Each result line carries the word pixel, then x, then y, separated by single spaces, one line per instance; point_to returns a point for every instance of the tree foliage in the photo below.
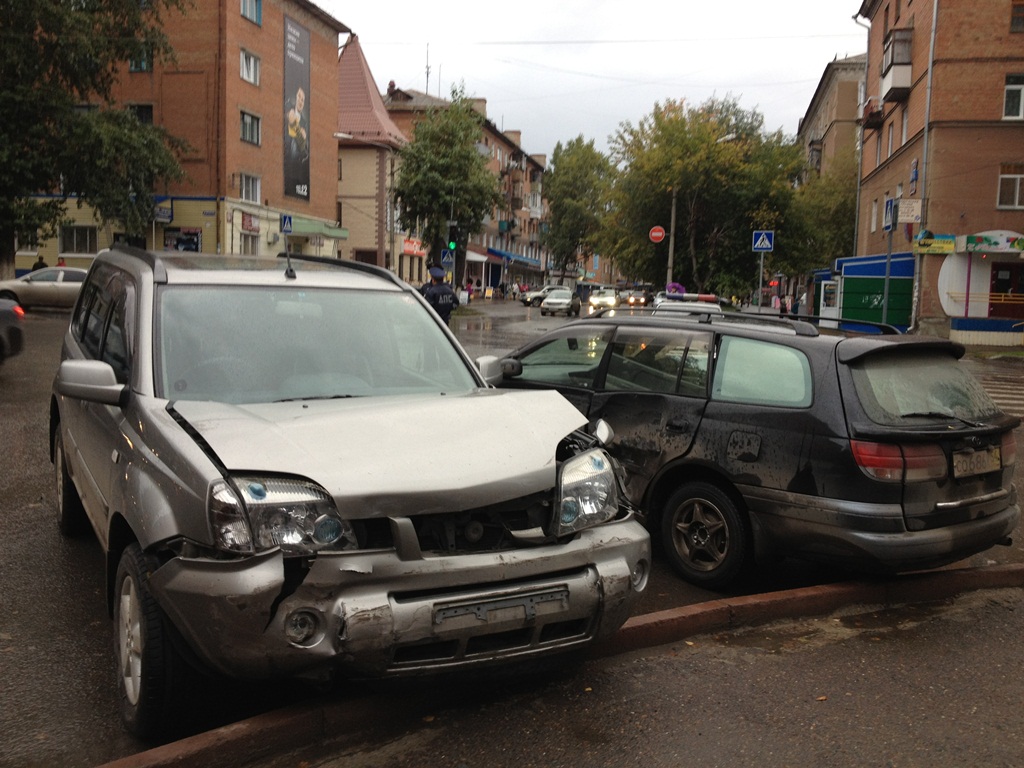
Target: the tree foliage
pixel 824 217
pixel 576 186
pixel 61 135
pixel 723 175
pixel 443 177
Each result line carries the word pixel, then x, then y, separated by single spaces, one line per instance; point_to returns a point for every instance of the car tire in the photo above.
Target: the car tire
pixel 705 536
pixel 150 673
pixel 71 517
pixel 535 302
pixel 9 296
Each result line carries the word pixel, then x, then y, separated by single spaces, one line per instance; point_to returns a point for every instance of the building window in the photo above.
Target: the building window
pixel 250 128
pixel 888 152
pixel 1013 100
pixel 253 10
pixel 874 215
pixel 878 150
pixel 904 123
pixel 141 64
pixel 1017 17
pixel 248 244
pixel 1011 185
pixel 249 188
pixel 143 113
pixel 78 239
pixel 250 67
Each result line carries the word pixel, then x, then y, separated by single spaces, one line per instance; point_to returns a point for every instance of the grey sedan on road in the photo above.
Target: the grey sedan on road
pixel 46 287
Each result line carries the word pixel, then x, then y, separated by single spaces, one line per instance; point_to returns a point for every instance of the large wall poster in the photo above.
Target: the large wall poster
pixel 296 109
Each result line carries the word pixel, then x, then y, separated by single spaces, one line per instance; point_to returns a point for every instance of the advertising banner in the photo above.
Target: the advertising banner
pixel 296 109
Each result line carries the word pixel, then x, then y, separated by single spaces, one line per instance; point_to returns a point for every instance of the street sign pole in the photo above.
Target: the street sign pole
pixel 763 241
pixel 893 218
pixel 760 282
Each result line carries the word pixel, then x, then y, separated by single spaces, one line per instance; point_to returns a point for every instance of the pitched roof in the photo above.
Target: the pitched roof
pixel 361 111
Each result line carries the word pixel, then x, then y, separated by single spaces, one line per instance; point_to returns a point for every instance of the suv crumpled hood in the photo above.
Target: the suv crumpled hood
pixel 396 455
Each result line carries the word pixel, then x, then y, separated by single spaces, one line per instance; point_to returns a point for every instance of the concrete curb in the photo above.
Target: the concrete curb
pixel 294 728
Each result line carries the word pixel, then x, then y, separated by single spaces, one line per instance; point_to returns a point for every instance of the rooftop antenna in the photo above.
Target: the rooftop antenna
pixel 426 88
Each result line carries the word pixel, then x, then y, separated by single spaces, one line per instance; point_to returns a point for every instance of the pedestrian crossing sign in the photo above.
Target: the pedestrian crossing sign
pixel 764 240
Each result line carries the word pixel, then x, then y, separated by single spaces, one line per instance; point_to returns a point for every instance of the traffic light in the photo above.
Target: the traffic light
pixel 453 239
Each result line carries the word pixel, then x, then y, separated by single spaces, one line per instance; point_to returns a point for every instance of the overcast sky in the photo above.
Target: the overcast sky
pixel 558 69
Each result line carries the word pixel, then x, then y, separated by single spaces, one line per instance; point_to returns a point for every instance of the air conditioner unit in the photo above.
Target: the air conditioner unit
pixel 272 237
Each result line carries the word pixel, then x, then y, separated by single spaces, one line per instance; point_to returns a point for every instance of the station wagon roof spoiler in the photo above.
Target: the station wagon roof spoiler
pixel 853 349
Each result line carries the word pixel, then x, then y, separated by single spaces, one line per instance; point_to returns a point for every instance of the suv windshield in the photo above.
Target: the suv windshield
pixel 256 344
pixel 896 387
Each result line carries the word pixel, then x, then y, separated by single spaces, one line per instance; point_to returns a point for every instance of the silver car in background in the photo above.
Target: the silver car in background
pixel 56 287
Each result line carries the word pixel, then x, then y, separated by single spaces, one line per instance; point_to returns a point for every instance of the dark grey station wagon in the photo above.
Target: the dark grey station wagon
pixel 746 440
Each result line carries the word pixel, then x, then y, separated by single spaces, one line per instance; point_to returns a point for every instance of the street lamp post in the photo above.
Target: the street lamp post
pixel 671 240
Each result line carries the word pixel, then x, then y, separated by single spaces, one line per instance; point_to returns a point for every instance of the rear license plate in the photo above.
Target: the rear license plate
pixel 969 463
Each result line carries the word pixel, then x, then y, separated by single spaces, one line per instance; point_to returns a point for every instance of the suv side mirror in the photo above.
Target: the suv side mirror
pixel 90 380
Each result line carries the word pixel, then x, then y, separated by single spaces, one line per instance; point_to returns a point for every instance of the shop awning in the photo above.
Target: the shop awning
pixel 515 257
pixel 477 257
pixel 302 227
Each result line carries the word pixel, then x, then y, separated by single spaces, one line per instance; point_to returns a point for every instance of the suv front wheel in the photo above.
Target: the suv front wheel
pixel 706 538
pixel 149 671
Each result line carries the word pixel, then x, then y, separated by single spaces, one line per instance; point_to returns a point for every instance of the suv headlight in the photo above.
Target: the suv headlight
pixel 254 514
pixel 587 492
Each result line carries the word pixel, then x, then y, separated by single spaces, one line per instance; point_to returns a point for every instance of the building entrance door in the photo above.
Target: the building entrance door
pixel 1006 290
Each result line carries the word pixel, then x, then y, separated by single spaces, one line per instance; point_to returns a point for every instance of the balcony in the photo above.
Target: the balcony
pixel 871 114
pixel 897 70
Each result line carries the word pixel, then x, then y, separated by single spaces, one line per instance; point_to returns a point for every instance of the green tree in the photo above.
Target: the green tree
pixel 824 217
pixel 61 135
pixel 715 172
pixel 443 177
pixel 576 187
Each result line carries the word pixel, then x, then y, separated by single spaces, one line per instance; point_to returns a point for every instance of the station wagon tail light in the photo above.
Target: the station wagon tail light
pixel 255 514
pixel 894 463
pixel 587 492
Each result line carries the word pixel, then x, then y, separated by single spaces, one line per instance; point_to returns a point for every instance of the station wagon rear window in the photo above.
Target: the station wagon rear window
pixel 895 388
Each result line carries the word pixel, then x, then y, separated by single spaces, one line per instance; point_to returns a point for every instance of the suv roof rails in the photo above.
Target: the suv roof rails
pixel 359 266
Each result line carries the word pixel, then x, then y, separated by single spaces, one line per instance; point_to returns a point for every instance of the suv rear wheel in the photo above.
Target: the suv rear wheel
pixel 71 519
pixel 706 538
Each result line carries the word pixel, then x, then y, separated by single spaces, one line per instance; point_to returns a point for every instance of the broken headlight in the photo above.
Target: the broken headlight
pixel 587 492
pixel 254 514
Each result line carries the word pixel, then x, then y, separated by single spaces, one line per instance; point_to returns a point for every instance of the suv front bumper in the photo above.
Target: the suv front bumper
pixel 379 615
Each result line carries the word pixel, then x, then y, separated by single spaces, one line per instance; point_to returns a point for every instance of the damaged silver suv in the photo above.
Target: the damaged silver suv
pixel 276 460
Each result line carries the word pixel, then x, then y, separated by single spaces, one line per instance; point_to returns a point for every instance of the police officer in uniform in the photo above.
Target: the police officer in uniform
pixel 440 295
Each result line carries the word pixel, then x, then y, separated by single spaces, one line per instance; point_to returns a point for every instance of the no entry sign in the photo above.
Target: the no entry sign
pixel 657 234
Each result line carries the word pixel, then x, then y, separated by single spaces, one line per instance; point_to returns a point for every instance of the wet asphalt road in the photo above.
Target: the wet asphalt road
pixel 57 705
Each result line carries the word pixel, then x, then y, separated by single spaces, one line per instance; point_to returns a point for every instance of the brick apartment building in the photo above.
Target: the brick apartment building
pixel 943 133
pixel 509 247
pixel 256 155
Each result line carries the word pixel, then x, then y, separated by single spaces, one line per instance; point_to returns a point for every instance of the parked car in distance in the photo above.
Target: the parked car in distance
pixel 255 443
pixel 12 335
pixel 638 299
pixel 604 297
pixel 535 297
pixel 47 287
pixel 561 301
pixel 747 439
